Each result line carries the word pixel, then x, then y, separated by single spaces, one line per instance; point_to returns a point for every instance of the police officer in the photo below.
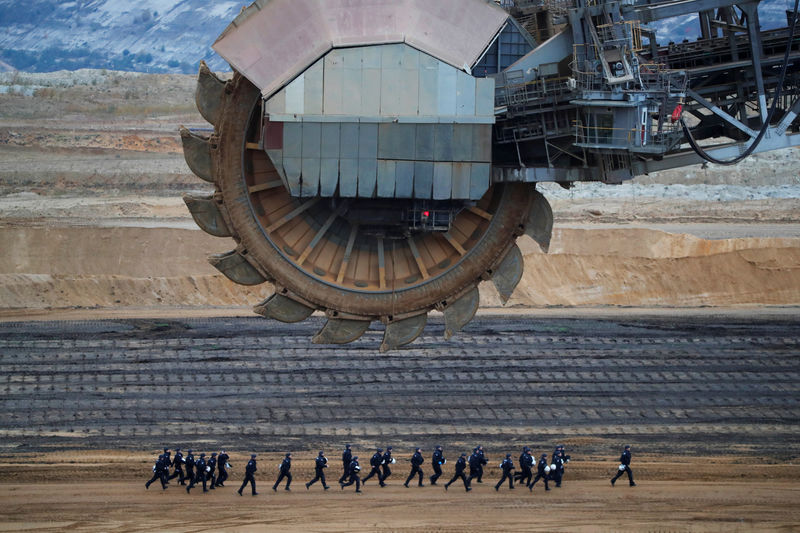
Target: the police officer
pixel 385 462
pixel 416 464
pixel 541 473
pixel 158 473
pixel 375 464
pixel 211 468
pixel 625 460
pixel 285 467
pixel 177 464
pixel 347 458
pixel 483 462
pixel 475 467
pixel 222 468
pixel 525 475
pixel 249 475
pixel 508 467
pixel 461 465
pixel 167 462
pixel 437 461
pixel 189 466
pixel 557 474
pixel 200 475
pixel 352 475
pixel 320 464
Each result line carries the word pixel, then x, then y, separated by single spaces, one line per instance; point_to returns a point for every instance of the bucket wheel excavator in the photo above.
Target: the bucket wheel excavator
pixel 377 160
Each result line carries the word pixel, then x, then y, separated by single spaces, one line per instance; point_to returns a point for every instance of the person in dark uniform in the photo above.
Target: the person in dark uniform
pixel 525 474
pixel 320 464
pixel 475 467
pixel 347 458
pixel 437 461
pixel 416 467
pixel 507 466
pixel 461 465
pixel 562 453
pixel 158 473
pixel 189 461
pixel 625 461
pixel 483 462
pixel 249 475
pixel 167 462
pixel 558 463
pixel 222 468
pixel 211 468
pixel 385 462
pixel 285 467
pixel 375 464
pixel 352 475
pixel 177 464
pixel 541 473
pixel 201 471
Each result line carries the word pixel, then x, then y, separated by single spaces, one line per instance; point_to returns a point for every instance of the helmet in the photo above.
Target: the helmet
pixel 547 470
pixel 552 466
pixel 379 450
pixel 621 468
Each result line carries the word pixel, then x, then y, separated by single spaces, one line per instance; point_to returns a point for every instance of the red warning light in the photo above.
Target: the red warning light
pixel 426 214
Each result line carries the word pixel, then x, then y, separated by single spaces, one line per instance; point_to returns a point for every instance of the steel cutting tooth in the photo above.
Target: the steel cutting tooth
pixel 197 153
pixel 403 332
pixel 236 268
pixel 340 331
pixel 539 226
pixel 283 309
pixel 207 214
pixel 459 313
pixel 508 273
pixel 208 95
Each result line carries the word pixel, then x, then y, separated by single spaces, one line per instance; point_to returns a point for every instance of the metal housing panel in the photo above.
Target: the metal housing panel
pixel 448 88
pixel 423 180
pixel 333 78
pixel 386 178
pixel 462 175
pixel 465 99
pixel 348 178
pixel 484 97
pixel 396 141
pixel 351 86
pixel 310 177
pixel 329 142
pixel 312 103
pixel 404 179
pixel 424 142
pixel 442 181
pixel 428 85
pixel 462 142
pixel 312 139
pixel 443 142
pixel 368 141
pixel 293 167
pixel 348 147
pixel 367 175
pixel 479 180
pixel 328 176
pixel 481 143
pixel 292 140
pixel 277 104
pixel 295 96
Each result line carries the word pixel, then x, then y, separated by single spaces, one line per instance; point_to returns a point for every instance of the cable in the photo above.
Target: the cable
pixel 764 127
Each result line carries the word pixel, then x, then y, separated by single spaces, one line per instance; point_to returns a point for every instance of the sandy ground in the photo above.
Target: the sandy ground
pixel 104 492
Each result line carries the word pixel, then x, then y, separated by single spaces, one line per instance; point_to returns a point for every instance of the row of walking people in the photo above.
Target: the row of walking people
pixel 212 473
